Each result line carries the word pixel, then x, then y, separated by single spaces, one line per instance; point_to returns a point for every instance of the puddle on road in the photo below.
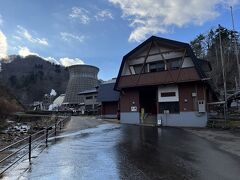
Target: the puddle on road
pixel 78 142
pixel 128 152
pixel 85 132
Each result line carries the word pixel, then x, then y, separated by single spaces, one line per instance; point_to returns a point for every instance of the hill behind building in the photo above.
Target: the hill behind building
pixel 31 77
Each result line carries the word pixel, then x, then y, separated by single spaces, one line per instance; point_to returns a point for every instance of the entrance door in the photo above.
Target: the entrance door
pixel 148 99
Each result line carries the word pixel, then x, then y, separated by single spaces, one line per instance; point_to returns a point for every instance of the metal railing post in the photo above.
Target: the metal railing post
pixel 56 122
pixel 55 131
pixel 30 148
pixel 30 145
pixel 47 137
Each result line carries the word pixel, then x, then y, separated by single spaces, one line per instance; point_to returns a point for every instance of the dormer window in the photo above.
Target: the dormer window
pixel 157 66
pixel 174 63
pixel 137 68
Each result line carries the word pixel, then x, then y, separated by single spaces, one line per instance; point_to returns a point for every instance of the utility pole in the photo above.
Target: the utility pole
pixel 224 75
pixel 236 48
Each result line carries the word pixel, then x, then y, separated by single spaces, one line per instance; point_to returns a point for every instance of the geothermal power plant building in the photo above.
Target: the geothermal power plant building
pixel 82 77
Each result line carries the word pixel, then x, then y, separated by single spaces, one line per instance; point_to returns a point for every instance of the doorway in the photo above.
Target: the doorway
pixel 148 104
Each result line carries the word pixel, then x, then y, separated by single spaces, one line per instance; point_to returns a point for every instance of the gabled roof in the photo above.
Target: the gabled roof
pixel 205 65
pixel 106 92
pixel 169 42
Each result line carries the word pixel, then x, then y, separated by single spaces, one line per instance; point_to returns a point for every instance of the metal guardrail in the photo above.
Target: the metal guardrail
pixel 30 143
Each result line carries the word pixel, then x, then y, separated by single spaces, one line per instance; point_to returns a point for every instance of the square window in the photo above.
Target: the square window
pixel 172 107
pixel 157 66
pixel 175 63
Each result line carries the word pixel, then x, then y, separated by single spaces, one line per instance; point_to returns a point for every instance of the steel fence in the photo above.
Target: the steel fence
pixel 25 146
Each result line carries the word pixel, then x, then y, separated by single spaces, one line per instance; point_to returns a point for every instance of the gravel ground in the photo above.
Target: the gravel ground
pixel 227 140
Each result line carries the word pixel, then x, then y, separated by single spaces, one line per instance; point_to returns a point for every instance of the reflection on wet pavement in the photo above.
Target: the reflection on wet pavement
pixel 113 151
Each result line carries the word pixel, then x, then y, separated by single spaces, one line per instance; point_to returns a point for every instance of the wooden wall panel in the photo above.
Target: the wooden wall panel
pixel 200 91
pixel 157 78
pixel 109 108
pixel 127 98
pixel 185 93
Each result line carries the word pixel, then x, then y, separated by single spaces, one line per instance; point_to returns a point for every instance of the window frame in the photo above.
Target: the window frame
pixel 173 107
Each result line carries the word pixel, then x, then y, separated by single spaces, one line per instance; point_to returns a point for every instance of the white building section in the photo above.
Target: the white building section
pixel 187 62
pixel 201 106
pixel 168 93
pixel 168 57
pixel 59 100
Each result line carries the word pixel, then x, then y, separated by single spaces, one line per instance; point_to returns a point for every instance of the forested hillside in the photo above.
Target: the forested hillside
pixel 8 103
pixel 207 46
pixel 31 77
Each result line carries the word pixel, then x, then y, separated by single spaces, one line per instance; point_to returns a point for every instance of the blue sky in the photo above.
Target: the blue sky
pixel 101 32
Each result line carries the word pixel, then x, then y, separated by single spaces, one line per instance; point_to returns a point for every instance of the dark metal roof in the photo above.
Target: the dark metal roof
pixel 88 91
pixel 169 43
pixel 205 65
pixel 106 93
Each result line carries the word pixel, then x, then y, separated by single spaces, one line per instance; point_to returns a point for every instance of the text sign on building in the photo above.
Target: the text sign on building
pixel 168 93
pixel 166 112
pixel 133 108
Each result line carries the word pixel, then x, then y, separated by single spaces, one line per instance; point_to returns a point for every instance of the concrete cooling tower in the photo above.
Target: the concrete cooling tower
pixel 82 77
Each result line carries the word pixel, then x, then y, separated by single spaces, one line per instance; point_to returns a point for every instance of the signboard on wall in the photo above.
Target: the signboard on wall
pixel 133 108
pixel 168 93
pixel 166 112
pixel 201 106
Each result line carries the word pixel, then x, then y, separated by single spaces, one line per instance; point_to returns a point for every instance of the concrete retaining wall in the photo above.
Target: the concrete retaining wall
pixel 184 119
pixel 130 117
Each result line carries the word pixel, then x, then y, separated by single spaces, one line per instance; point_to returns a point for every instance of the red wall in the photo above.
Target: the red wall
pixel 127 97
pixel 185 92
pixel 109 108
pixel 130 95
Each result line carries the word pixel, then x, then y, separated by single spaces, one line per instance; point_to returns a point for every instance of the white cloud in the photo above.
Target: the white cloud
pixel 17 37
pixel 51 60
pixel 66 61
pixel 24 51
pixel 80 14
pixel 68 37
pixel 149 17
pixel 69 61
pixel 103 15
pixel 3 45
pixel 24 33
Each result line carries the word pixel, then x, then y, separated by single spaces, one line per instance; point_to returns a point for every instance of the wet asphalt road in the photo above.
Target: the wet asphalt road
pixel 113 151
